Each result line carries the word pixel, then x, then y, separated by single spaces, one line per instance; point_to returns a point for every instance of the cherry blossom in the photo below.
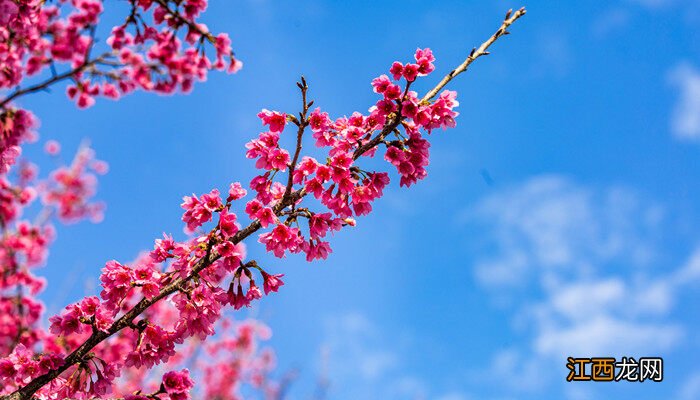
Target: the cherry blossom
pixel 138 337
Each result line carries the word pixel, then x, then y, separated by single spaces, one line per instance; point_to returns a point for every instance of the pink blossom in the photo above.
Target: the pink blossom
pixel 396 70
pixel 273 119
pixel 178 384
pixel 271 283
pixel 319 121
pixel 410 72
pixel 236 192
pixel 381 83
pixel 282 239
pixel 424 58
pixel 392 92
pixel 227 223
pixel 253 292
pixel 52 147
pixel 266 217
pixel 278 159
pixel 198 211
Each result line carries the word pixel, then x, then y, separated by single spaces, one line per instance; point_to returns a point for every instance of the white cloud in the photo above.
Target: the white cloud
pixel 511 369
pixel 554 55
pixel 581 263
pixel 363 361
pixel 604 335
pixel 454 396
pixel 357 349
pixel 552 227
pixel 654 4
pixel 691 388
pixel 685 117
pixel 610 21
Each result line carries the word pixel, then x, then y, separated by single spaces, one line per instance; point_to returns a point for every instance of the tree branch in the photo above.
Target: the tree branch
pixel 126 320
pixel 54 79
pixel 476 53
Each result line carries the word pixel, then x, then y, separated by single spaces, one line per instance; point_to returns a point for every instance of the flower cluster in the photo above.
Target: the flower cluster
pixel 146 55
pixel 16 127
pixel 178 292
pixel 223 366
pixel 23 248
pixel 177 384
pixel 69 189
pixel 342 186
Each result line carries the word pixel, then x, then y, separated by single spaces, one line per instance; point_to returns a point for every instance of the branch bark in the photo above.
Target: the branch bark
pixel 54 79
pixel 477 52
pixel 26 392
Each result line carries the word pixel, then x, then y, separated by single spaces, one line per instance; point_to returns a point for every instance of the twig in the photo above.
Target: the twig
pixel 126 320
pixel 54 79
pixel 476 52
pixel 302 124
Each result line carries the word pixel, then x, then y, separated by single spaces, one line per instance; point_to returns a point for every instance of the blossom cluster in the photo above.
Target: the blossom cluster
pixel 183 287
pixel 16 127
pixel 222 367
pixel 160 47
pixel 144 52
pixel 23 248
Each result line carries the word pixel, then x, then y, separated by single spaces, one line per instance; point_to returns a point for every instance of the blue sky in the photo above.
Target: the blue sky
pixel 582 241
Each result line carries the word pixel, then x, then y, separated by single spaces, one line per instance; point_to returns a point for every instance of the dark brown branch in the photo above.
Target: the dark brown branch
pixel 476 52
pixel 127 320
pixel 182 20
pixel 302 123
pixel 54 79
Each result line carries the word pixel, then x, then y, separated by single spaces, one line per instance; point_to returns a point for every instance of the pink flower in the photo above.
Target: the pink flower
pixel 278 159
pixel 227 223
pixel 318 251
pixel 253 207
pixel 52 147
pixel 275 120
pixel 116 283
pixel 66 324
pixel 282 239
pixel 424 58
pixel 396 70
pixel 236 192
pixel 7 369
pixel 162 248
pixel 199 211
pixel 237 299
pixel 156 346
pixel 271 282
pixel 410 72
pixel 306 168
pixel 253 292
pixel 319 121
pixel 266 217
pixel 393 92
pixel 178 384
pixel 381 83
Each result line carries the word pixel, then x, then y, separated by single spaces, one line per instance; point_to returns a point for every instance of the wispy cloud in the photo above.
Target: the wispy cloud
pixel 581 263
pixel 691 388
pixel 654 4
pixel 610 21
pixel 365 362
pixel 685 118
pixel 554 55
pixel 357 348
pixel 553 227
